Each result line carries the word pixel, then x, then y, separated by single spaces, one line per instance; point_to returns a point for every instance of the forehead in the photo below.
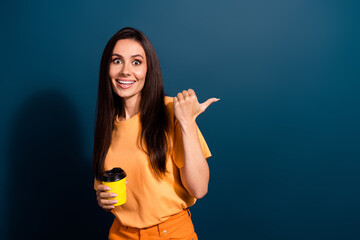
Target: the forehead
pixel 126 47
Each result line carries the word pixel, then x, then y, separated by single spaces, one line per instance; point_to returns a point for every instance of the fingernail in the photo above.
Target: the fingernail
pixel 114 201
pixel 114 195
pixel 107 189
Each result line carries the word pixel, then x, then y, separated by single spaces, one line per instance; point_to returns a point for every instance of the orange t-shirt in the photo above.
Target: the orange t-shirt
pixel 149 201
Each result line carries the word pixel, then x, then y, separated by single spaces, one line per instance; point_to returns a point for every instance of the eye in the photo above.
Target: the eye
pixel 136 62
pixel 117 61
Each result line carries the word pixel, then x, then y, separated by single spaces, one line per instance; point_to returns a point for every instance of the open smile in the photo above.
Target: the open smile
pixel 125 83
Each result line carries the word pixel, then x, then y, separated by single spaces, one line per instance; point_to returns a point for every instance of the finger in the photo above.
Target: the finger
pixel 180 97
pixel 192 93
pixel 185 94
pixel 107 195
pixel 106 202
pixel 103 188
pixel 106 207
pixel 207 103
pixel 109 207
pixel 176 100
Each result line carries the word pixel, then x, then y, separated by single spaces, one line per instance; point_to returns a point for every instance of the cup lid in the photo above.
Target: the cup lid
pixel 113 175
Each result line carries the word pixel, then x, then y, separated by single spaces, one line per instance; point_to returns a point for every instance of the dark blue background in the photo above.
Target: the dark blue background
pixel 285 135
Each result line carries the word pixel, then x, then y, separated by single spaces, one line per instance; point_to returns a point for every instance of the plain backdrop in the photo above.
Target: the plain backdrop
pixel 285 135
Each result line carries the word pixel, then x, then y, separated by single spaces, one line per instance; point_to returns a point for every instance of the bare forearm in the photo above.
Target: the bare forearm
pixel 195 173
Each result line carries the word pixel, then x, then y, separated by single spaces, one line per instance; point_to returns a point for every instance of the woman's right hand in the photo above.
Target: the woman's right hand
pixel 102 198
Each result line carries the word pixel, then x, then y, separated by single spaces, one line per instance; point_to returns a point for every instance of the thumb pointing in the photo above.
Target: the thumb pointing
pixel 207 103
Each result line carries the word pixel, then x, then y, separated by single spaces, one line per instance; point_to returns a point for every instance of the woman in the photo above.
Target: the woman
pixel 153 138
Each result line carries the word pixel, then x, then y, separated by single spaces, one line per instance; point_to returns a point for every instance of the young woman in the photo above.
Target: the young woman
pixel 153 138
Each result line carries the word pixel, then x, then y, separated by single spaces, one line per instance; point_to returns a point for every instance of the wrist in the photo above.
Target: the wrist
pixel 188 126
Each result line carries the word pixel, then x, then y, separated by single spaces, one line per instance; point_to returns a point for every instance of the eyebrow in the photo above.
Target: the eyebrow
pixel 136 55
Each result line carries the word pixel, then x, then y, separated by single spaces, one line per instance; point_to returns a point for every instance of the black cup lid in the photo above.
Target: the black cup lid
pixel 113 175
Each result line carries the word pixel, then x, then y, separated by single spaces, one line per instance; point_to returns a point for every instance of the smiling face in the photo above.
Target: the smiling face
pixel 128 69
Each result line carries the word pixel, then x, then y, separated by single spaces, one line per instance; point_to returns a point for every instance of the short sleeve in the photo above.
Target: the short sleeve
pixel 178 147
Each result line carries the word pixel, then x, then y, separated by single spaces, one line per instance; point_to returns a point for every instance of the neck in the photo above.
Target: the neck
pixel 131 106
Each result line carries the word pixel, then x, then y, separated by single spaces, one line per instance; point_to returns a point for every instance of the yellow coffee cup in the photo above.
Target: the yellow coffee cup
pixel 115 179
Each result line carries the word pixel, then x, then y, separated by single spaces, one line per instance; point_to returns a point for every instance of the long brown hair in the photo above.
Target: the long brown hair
pixel 154 116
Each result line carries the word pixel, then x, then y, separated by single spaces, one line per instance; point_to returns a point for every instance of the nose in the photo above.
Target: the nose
pixel 125 70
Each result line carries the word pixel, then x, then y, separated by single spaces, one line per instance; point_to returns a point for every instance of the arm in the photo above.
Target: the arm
pixel 195 173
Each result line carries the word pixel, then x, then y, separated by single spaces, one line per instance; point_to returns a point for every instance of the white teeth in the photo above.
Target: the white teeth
pixel 126 82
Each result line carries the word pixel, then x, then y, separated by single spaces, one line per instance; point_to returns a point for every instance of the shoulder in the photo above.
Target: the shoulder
pixel 169 102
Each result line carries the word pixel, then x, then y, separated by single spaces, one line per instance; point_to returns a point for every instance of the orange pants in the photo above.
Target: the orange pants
pixel 178 226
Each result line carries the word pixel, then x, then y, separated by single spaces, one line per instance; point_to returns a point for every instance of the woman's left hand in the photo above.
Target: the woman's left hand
pixel 187 106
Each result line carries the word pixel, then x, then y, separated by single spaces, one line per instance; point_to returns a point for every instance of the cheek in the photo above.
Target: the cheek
pixel 140 73
pixel 112 72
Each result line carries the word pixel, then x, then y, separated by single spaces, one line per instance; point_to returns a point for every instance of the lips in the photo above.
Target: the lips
pixel 124 83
